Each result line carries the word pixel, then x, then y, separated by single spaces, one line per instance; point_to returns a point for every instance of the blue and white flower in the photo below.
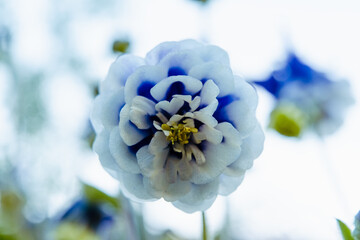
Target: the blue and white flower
pixel 177 125
pixel 306 99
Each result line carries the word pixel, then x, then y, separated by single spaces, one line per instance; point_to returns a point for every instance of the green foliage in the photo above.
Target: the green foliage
pixel 345 231
pixel 94 195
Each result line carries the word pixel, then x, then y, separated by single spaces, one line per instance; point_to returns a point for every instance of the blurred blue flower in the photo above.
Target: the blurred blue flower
pixel 177 125
pixel 311 99
pixel 92 215
pixel 356 232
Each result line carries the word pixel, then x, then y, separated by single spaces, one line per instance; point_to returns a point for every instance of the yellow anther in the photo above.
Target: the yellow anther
pixel 179 133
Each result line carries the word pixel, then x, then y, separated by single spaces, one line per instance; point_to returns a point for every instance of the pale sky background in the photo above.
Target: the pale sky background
pixel 295 189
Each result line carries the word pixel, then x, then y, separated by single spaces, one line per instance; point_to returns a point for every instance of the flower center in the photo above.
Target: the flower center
pixel 179 133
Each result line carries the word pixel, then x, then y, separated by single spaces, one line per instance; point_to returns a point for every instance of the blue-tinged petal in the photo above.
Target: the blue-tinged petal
pixel 128 131
pixel 179 63
pixel 182 85
pixel 133 187
pixel 119 72
pixel 220 74
pixel 101 147
pixel 251 147
pixel 163 49
pixel 218 156
pixel 246 91
pixel 209 134
pixel 200 198
pixel 239 109
pixel 142 80
pixel 151 158
pixel 106 109
pixel 140 112
pixel 171 107
pixel 205 118
pixel 120 151
pixel 208 93
pixel 158 186
pixel 229 184
pixel 215 54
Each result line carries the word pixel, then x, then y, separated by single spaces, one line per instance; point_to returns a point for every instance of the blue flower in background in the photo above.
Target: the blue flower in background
pixel 92 215
pixel 356 232
pixel 177 125
pixel 306 99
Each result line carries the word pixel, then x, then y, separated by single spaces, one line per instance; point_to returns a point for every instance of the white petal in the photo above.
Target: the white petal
pixel 159 91
pixel 133 187
pixel 211 134
pixel 195 103
pixel 200 198
pixel 140 110
pixel 121 153
pixel 252 147
pixel 151 158
pixel 119 71
pixel 128 131
pixel 101 147
pixel 158 186
pixel 220 74
pixel 142 80
pixel 218 156
pixel 171 107
pixel 229 184
pixel 205 118
pixel 106 110
pixel 211 108
pixel 209 92
pixel 198 155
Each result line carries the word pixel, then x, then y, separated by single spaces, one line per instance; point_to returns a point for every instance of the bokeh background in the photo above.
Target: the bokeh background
pixel 53 54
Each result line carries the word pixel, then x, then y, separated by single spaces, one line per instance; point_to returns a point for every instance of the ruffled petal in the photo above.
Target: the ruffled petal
pixel 252 146
pixel 101 147
pixel 163 49
pixel 209 92
pixel 158 186
pixel 119 72
pixel 133 187
pixel 142 80
pixel 220 74
pixel 218 156
pixel 106 109
pixel 211 53
pixel 152 157
pixel 229 184
pixel 182 85
pixel 200 198
pixel 140 111
pixel 121 153
pixel 130 134
pixel 171 107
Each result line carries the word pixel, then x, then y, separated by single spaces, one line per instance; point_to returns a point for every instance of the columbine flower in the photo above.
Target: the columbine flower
pixel 312 100
pixel 177 125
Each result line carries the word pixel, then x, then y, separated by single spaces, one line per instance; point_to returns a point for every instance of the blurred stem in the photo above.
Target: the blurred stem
pixel 334 178
pixel 204 230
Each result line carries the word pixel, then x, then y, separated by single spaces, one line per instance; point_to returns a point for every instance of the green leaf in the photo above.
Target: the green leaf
pixel 345 231
pixel 96 196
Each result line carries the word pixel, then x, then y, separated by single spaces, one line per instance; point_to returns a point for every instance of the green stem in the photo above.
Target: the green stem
pixel 204 231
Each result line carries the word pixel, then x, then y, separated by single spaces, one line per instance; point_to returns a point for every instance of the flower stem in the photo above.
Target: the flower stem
pixel 204 230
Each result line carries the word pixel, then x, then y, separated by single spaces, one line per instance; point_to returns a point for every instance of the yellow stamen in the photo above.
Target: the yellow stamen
pixel 179 133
